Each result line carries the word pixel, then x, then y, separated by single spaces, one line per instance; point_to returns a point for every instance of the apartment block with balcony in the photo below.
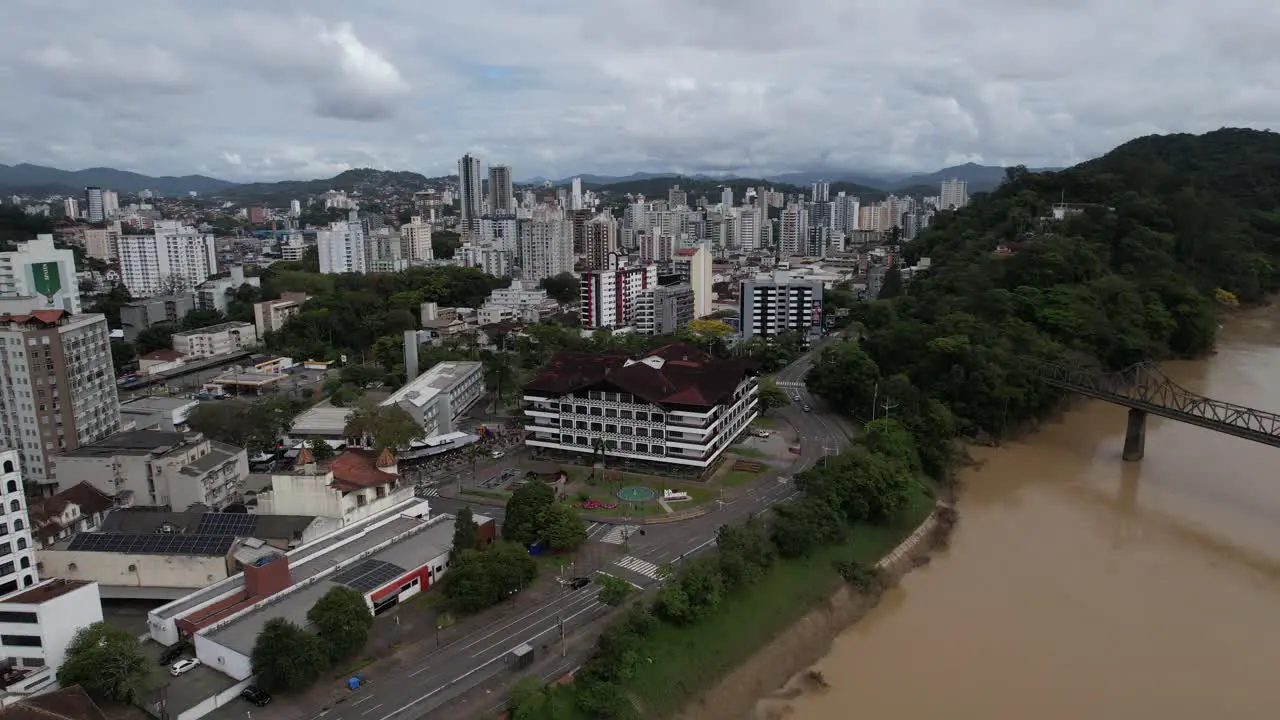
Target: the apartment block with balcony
pixel 677 406
pixel 220 339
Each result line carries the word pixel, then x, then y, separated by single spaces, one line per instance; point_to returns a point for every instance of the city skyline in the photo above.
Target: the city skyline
pixel 243 93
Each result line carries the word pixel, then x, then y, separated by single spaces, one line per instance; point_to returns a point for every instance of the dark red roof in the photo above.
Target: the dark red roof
pixel 163 355
pixel 358 469
pixel 687 376
pixel 66 704
pixel 46 514
pixel 47 317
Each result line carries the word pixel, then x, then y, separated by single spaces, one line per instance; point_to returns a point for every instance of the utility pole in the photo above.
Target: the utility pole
pixel 888 405
pixel 875 397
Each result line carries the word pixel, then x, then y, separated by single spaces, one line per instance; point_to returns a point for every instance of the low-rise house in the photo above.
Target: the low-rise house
pixel 158 361
pixel 220 339
pixel 353 486
pixel 79 508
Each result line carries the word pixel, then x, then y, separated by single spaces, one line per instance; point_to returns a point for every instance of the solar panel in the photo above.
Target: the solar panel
pixel 369 575
pixel 153 543
pixel 235 524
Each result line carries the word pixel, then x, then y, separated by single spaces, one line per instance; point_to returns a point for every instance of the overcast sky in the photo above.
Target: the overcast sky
pixel 276 89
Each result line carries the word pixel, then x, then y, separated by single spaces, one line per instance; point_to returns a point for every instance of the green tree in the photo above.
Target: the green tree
pixel 561 527
pixel 771 396
pixel 478 579
pixel 382 427
pixel 320 449
pixel 202 317
pixel 123 356
pixel 342 621
pixel 251 425
pixel 891 438
pixel 891 287
pixel 614 590
pixel 155 337
pixel 524 511
pixel 444 243
pixel 744 552
pixel 466 533
pixel 286 657
pixel 805 525
pixel 107 662
pixel 562 288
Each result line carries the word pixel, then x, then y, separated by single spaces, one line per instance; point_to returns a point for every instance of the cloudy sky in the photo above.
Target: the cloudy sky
pixel 307 88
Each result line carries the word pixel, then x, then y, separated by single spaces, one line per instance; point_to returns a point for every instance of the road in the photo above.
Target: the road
pixel 437 681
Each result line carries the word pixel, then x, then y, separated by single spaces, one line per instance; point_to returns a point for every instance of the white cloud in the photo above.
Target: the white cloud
pixel 305 88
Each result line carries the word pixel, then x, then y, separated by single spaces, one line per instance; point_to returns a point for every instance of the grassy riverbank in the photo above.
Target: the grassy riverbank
pixel 688 660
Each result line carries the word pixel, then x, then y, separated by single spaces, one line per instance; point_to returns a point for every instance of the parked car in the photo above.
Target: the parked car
pixel 760 433
pixel 796 397
pixel 496 454
pixel 182 666
pixel 579 582
pixel 256 695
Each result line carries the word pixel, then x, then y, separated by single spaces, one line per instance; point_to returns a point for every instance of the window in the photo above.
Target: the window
pixel 12 486
pixel 22 543
pixel 14 506
pixel 24 563
pixel 20 640
pixel 10 616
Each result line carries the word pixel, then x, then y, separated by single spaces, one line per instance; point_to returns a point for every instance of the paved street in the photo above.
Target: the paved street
pixel 422 681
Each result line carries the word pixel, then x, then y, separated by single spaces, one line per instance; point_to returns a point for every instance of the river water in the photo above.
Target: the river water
pixel 1080 586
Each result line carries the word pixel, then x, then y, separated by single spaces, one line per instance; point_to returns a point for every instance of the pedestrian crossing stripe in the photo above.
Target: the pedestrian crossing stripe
pixel 790 384
pixel 426 492
pixel 620 534
pixel 638 566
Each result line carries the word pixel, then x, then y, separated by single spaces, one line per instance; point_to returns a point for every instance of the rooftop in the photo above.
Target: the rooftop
pixel 676 374
pixel 46 514
pixel 135 442
pixel 157 403
pixel 279 528
pixel 45 591
pixel 320 420
pixel 442 377
pixel 220 327
pixel 404 542
pixel 162 355
pixel 71 703
pixel 357 469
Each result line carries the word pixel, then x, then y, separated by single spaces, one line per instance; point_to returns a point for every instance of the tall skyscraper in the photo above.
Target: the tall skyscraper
pixel 93 204
pixel 576 200
pixel 601 240
pixel 821 192
pixel 546 247
pixel 726 196
pixel 415 241
pixel 955 194
pixel 608 295
pixel 175 259
pixel 469 191
pixel 502 197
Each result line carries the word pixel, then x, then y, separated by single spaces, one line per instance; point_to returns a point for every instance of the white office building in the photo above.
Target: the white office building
pixel 17 552
pixel 93 205
pixel 38 276
pixel 676 406
pixel 439 396
pixel 342 247
pixel 490 259
pixel 773 304
pixel 955 194
pixel 37 625
pixel 173 260
pixel 220 339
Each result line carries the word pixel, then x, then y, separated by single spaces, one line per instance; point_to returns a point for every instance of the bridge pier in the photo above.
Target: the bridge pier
pixel 1135 436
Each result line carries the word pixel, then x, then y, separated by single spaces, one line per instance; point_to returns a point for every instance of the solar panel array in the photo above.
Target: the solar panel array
pixel 234 524
pixel 369 575
pixel 153 543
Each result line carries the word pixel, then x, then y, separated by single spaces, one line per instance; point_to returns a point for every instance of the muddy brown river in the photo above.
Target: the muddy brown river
pixel 1081 586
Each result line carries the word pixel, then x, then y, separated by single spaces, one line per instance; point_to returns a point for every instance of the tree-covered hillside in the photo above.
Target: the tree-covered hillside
pixel 1161 231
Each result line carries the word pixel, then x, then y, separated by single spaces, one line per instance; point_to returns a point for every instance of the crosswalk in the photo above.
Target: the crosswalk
pixel 619 534
pixel 638 566
pixel 426 491
pixel 790 384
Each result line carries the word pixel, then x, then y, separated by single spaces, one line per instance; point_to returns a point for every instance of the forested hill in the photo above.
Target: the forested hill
pixel 1161 232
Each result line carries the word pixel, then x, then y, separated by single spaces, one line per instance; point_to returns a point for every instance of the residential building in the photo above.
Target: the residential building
pixel 663 309
pixel 576 202
pixel 271 315
pixel 601 241
pixel 156 468
pixel 220 339
pixel 110 204
pixel 353 486
pixel 61 390
pixel 694 266
pixel 676 406
pixel 157 412
pixel 71 703
pixel 139 315
pixel 160 555
pixel 79 508
pixel 470 196
pixel 216 293
pixel 955 194
pixel 415 241
pixel 341 247
pixel 502 196
pixel 37 625
pixel 608 296
pixel 794 231
pixel 439 396
pixel 17 551
pixel 103 243
pixel 769 305
pixel 93 205
pixel 39 276
pixel 489 259
pixel 173 260
pixel 520 293
pixel 546 247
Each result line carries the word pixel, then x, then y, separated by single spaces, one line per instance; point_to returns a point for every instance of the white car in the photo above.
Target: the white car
pixel 760 433
pixel 496 454
pixel 183 666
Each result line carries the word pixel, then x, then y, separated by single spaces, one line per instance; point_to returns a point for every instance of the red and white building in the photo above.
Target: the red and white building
pixel 608 296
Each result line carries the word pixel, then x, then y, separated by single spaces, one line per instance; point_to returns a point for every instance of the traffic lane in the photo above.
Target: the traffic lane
pixel 691 536
pixel 417 692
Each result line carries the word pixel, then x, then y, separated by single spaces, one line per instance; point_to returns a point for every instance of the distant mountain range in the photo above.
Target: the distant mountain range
pixel 31 177
pixel 35 179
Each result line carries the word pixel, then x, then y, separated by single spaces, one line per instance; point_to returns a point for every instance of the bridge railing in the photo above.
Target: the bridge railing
pixel 1145 384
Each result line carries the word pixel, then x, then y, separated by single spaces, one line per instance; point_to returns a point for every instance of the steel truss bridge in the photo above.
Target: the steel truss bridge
pixel 1146 391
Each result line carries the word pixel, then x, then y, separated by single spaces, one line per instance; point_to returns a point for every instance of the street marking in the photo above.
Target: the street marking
pixel 619 534
pixel 375 707
pixel 638 566
pixel 429 491
pixel 601 572
pixel 366 697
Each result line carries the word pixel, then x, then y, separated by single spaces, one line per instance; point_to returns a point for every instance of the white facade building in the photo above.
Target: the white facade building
pixel 40 276
pixel 173 260
pixel 608 296
pixel 955 194
pixel 17 551
pixel 546 247
pixel 352 487
pixel 415 241
pixel 439 396
pixel 490 259
pixel 342 247
pixel 677 405
pixel 227 337
pixel 37 625
pixel 694 267
pixel 769 305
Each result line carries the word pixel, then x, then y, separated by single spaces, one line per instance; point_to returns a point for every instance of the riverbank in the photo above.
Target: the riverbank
pixel 784 661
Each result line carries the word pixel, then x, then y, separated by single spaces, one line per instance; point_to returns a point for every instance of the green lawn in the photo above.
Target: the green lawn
pixel 734 478
pixel 749 452
pixel 688 660
pixel 765 422
pixel 492 494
